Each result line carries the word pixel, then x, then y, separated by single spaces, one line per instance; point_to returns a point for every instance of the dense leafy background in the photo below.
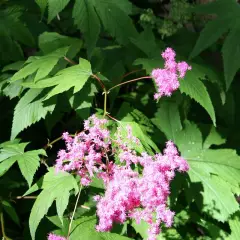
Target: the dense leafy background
pixel 50 50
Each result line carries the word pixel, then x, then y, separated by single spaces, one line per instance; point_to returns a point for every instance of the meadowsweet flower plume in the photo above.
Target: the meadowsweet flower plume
pixel 166 79
pixel 129 194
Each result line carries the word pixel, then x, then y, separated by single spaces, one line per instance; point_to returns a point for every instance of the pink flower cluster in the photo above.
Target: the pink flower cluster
pixel 141 197
pixel 52 236
pixel 129 194
pixel 166 79
pixel 84 153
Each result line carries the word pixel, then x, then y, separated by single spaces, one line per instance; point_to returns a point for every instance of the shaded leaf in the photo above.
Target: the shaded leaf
pixel 9 209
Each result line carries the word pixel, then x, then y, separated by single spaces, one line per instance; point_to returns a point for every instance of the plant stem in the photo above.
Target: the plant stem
pixel 5 237
pixel 26 197
pixel 113 118
pixel 54 141
pixel 70 61
pixel 100 82
pixel 105 92
pixel 133 80
pixel 134 71
pixel 105 104
pixel 74 211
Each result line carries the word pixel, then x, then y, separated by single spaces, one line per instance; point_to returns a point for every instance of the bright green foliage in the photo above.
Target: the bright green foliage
pixel 28 162
pixel 207 166
pixel 75 76
pixel 56 187
pixel 142 229
pixel 234 223
pixel 30 109
pixel 84 226
pixel 211 168
pixel 42 65
pixel 227 12
pixel 146 142
pixel 213 138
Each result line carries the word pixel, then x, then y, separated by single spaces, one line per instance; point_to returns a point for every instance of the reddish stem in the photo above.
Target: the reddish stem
pixel 114 119
pixel 100 82
pixel 70 61
pixel 134 71
pixel 133 80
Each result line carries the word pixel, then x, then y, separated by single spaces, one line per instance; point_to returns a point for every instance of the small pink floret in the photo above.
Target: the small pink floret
pixel 52 236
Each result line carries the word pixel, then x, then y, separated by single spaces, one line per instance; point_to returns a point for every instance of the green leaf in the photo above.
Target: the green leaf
pixel 85 17
pixel 85 227
pixel 28 161
pixel 42 4
pixel 81 101
pixel 9 209
pixel 54 7
pixel 4 166
pixel 55 187
pixel 146 42
pixel 12 31
pixel 234 223
pixel 113 15
pixel 210 34
pixel 146 143
pixel 51 41
pixel 29 110
pixel 167 119
pixel 213 138
pixel 231 54
pixel 62 204
pixel 227 12
pixel 115 20
pixel 75 76
pixel 168 234
pixel 13 90
pixel 35 187
pixel 13 66
pixel 217 170
pixel 195 88
pixel 42 65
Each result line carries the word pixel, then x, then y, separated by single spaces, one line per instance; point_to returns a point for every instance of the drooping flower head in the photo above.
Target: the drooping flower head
pixel 166 79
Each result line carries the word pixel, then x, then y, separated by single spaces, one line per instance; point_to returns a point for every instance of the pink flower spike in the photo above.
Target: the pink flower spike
pixel 52 236
pixel 166 79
